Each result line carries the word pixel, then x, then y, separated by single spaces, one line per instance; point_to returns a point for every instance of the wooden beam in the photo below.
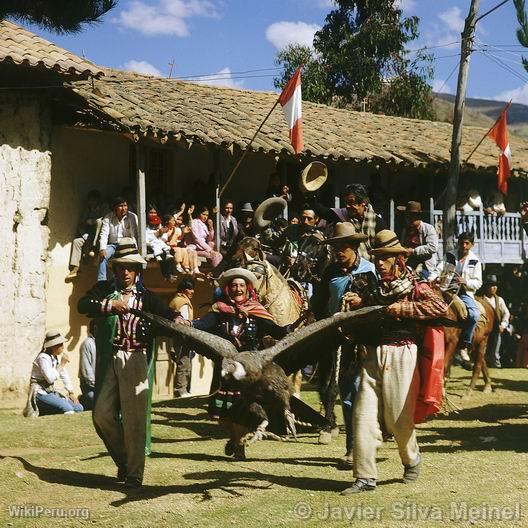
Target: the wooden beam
pixel 141 199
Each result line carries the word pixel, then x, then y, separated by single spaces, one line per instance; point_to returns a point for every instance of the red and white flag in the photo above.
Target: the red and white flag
pixel 291 102
pixel 499 134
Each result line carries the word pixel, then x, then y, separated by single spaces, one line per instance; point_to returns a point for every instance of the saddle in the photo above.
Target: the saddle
pixel 460 310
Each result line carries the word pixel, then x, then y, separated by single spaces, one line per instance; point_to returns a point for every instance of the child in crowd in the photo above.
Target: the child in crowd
pixel 173 233
pixel 160 248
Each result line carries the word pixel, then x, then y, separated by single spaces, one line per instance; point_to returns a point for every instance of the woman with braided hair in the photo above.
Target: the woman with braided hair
pixel 238 316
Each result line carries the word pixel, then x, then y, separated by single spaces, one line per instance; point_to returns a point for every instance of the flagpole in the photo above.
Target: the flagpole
pixel 230 177
pixel 491 128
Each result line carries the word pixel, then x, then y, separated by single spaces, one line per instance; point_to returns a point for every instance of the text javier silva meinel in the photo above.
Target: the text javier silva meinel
pixel 413 511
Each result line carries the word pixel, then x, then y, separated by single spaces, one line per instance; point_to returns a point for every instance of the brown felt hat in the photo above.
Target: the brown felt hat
pixel 386 243
pixel 313 176
pixel 127 253
pixel 411 207
pixel 268 211
pixel 344 231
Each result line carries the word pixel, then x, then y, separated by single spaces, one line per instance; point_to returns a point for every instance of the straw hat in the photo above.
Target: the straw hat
pixel 345 231
pixel 53 337
pixel 127 253
pixel 268 210
pixel 237 273
pixel 386 243
pixel 246 208
pixel 411 207
pixel 313 176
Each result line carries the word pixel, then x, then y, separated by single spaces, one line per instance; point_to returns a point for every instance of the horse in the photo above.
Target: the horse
pixel 478 346
pixel 283 298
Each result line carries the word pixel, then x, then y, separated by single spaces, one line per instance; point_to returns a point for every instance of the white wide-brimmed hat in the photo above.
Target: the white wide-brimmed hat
pixel 313 176
pixel 268 211
pixel 53 337
pixel 237 273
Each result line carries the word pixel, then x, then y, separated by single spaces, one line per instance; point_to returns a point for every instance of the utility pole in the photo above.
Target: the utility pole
pixel 449 214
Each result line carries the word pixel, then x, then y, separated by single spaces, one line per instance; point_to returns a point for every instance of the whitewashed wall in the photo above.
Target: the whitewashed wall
pixel 25 171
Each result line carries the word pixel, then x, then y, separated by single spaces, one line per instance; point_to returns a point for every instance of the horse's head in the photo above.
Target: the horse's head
pixel 249 248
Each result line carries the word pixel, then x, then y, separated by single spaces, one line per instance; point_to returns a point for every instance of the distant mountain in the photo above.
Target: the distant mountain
pixel 483 112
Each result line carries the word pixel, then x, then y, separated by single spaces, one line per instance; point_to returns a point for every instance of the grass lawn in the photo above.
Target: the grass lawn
pixel 475 459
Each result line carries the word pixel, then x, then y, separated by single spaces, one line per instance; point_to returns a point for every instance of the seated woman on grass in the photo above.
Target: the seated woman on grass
pixel 47 369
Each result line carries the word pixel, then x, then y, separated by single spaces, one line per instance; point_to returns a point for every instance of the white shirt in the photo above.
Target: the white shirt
pixel 114 229
pixel 45 370
pixel 470 269
pixel 502 307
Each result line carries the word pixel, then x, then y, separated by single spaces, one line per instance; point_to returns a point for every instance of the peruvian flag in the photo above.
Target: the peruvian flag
pixel 291 102
pixel 499 134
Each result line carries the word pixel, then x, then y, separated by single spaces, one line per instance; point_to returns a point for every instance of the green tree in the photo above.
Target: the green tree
pixel 407 93
pixel 522 30
pixel 361 53
pixel 61 16
pixel 313 79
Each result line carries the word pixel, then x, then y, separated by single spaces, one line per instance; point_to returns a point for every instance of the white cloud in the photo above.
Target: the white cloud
pixel 517 95
pixel 406 5
pixel 143 67
pixel 223 78
pixel 446 32
pixel 326 4
pixel 439 86
pixel 281 34
pixel 167 17
pixel 452 18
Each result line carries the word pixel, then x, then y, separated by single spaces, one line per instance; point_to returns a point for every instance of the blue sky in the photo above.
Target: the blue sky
pixel 225 37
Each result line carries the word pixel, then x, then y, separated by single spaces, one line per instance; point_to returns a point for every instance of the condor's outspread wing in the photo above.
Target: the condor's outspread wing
pixel 209 345
pixel 303 346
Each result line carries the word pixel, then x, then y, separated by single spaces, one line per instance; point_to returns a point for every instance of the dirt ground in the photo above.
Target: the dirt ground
pixel 474 472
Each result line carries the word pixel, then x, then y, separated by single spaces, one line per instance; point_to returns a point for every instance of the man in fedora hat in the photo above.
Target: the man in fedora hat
pixel 357 211
pixel 421 241
pixel 124 350
pixel 502 320
pixel 350 277
pixel 389 380
pixel 246 225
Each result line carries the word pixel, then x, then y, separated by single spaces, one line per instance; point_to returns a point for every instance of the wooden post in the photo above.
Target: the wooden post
pixel 141 199
pixel 449 214
pixel 482 249
pixel 431 211
pixel 218 180
pixel 391 214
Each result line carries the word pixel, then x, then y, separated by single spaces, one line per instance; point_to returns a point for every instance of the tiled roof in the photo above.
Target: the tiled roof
pixel 20 46
pixel 222 116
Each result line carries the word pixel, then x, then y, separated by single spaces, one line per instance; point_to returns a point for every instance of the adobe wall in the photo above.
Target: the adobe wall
pixel 25 170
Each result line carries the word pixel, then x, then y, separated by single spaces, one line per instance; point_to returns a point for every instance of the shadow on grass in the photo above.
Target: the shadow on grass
pixel 231 482
pixel 502 437
pixel 509 384
pixel 297 461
